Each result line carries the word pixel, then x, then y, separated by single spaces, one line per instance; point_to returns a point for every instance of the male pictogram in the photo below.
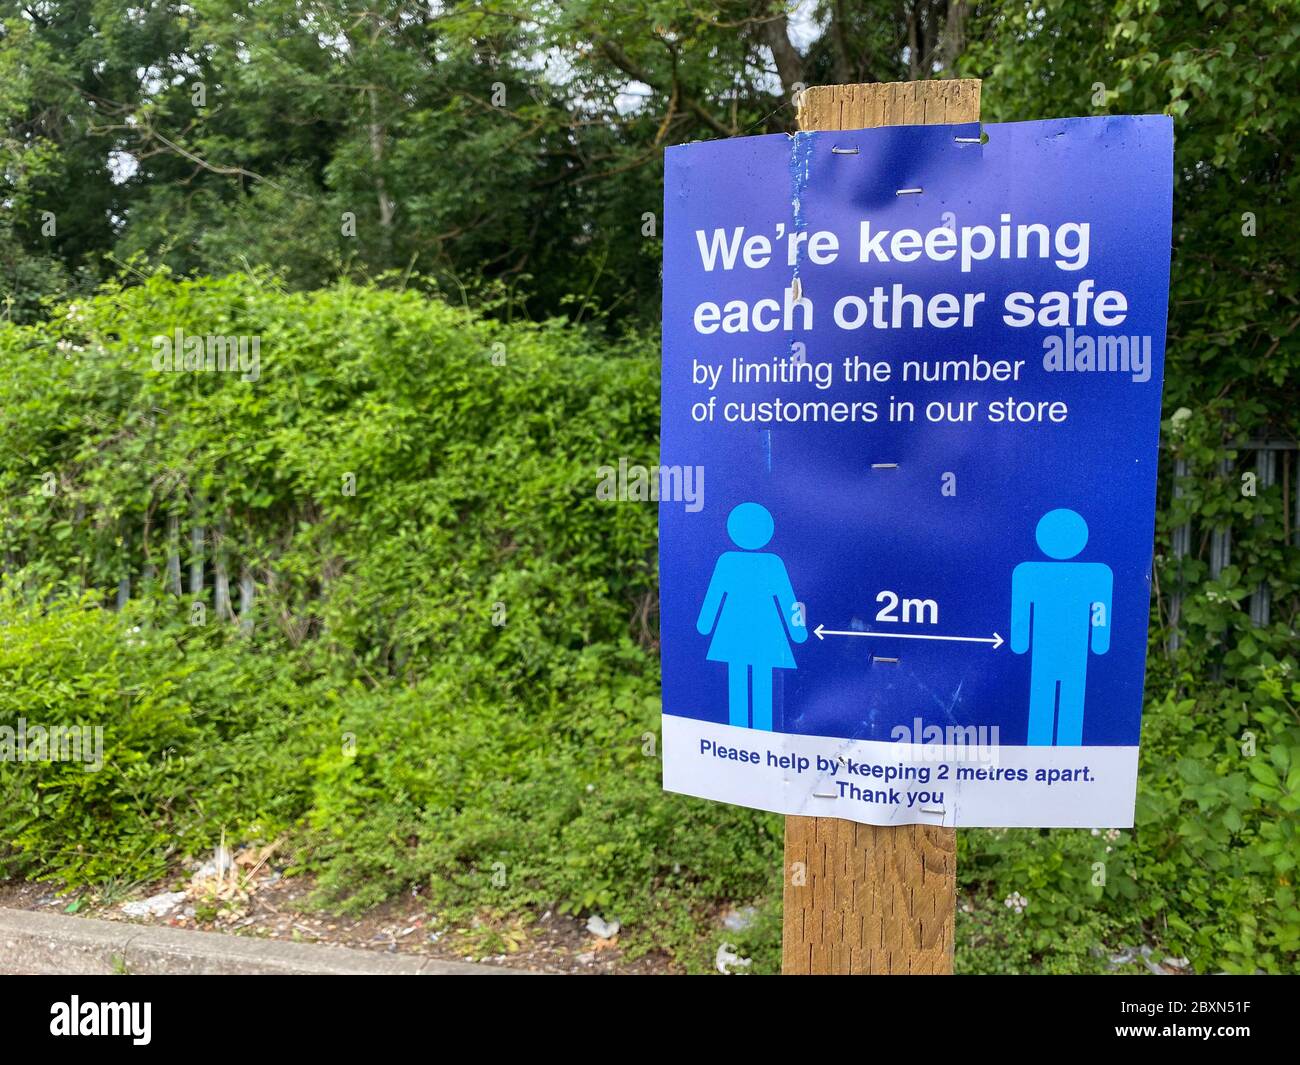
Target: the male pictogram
pixel 1059 610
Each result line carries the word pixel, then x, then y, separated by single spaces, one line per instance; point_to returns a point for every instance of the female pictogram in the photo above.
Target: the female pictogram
pixel 752 612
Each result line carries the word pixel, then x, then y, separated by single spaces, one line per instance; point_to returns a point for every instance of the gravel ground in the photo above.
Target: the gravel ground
pixel 256 900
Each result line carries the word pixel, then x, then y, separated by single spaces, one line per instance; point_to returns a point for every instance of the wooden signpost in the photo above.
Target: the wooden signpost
pixel 862 898
pixel 1052 555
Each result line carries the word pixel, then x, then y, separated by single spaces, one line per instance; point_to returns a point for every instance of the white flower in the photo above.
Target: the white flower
pixel 1016 901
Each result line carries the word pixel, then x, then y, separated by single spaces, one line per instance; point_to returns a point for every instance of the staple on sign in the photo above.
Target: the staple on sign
pixel 880 658
pixel 884 465
pixel 908 192
pixel 844 151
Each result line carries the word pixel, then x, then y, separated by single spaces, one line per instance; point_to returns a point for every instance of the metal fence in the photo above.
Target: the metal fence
pixel 1268 460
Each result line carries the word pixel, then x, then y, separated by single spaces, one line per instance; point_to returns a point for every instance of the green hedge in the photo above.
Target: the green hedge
pixel 451 683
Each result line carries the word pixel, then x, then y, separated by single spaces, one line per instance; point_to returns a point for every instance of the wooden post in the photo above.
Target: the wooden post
pixel 862 898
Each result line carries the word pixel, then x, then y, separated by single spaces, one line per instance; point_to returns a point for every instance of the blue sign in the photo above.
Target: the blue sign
pixel 911 377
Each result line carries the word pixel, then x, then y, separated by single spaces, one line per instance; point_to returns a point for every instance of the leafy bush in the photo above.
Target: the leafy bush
pixel 186 730
pixel 451 682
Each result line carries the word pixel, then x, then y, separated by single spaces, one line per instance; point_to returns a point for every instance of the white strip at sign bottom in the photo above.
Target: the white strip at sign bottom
pixel 879 783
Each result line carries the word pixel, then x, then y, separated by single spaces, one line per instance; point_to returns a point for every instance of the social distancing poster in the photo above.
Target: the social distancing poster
pixel 912 376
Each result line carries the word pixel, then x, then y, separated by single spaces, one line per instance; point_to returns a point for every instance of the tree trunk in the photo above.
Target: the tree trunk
pixel 377 134
pixel 789 64
pixel 954 35
pixel 842 70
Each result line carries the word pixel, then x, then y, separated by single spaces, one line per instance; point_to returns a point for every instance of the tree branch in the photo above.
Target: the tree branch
pixel 615 54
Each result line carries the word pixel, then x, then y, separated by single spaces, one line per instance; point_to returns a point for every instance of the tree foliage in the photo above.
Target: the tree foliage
pixel 387 194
